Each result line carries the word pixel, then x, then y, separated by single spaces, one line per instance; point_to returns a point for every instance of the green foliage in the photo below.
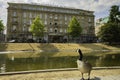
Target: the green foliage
pixel 37 27
pixel 109 32
pixel 1 26
pixel 114 11
pixel 74 28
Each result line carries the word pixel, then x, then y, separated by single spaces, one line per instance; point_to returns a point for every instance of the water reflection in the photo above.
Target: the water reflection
pixel 2 63
pixel 32 61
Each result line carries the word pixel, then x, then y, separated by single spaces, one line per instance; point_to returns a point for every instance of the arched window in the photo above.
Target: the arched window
pixel 55 24
pixel 55 30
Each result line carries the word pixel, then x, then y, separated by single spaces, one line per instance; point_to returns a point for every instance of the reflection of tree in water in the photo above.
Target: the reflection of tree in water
pixel 2 63
pixel 108 60
pixel 48 48
pixel 44 60
pixel 3 47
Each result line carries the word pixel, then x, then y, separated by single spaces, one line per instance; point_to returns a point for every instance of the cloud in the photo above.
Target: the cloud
pixel 100 7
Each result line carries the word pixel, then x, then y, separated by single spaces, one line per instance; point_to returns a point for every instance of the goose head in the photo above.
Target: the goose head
pixel 80 55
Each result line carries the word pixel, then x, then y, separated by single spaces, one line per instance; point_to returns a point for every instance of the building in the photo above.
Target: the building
pixel 2 37
pixel 55 18
pixel 100 22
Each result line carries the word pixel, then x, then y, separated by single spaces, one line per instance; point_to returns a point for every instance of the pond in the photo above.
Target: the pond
pixel 39 61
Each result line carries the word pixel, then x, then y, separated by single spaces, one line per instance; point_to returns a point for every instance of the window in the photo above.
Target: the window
pixel 89 20
pixel 82 17
pixel 14 19
pixel 14 28
pixel 65 30
pixel 55 24
pixel 60 17
pixel 30 15
pixel 65 18
pixel 30 21
pixel 89 25
pixel 56 17
pixel 14 13
pixel 51 30
pixel 55 31
pixel 45 16
pixel 41 16
pixel 34 15
pixel 51 16
pixel 60 21
pixel 24 20
pixel 50 23
pixel 23 28
pixel 61 30
pixel 24 14
pixel 65 23
pixel 45 22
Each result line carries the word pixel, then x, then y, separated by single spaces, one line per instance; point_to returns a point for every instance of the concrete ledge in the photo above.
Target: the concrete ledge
pixel 54 70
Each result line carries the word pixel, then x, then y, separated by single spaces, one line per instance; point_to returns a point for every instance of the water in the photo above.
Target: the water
pixel 39 61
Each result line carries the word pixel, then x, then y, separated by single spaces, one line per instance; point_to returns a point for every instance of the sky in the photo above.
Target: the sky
pixel 100 7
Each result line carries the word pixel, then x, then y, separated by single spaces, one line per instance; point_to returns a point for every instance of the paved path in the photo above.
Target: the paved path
pixel 102 74
pixel 115 77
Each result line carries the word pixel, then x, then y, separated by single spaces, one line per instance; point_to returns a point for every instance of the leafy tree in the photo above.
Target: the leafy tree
pixel 74 28
pixel 109 32
pixel 114 11
pixel 1 26
pixel 37 27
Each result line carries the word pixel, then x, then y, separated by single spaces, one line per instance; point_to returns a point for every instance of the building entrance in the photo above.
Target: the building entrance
pixel 56 39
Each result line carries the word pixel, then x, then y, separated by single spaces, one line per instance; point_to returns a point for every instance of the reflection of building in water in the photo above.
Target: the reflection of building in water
pixel 12 58
pixel 3 68
pixel 108 60
pixel 55 19
pixel 101 61
pixel 2 63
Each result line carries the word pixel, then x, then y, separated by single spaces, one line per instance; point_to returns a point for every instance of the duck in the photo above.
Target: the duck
pixel 83 66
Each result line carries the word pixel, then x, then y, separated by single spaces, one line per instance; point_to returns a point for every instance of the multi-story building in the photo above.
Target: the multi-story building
pixel 55 19
pixel 2 37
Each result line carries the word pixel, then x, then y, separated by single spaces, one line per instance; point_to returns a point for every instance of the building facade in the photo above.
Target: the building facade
pixel 2 37
pixel 100 22
pixel 55 19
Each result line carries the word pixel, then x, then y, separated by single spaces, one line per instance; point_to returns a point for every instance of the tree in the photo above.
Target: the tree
pixel 109 32
pixel 114 11
pixel 74 28
pixel 1 26
pixel 37 27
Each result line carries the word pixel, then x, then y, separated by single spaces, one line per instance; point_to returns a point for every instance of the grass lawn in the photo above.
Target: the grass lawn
pixel 55 46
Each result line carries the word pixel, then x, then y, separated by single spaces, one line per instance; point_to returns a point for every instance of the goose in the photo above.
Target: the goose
pixel 83 66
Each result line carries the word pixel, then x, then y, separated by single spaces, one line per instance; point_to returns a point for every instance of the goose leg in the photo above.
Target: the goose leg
pixel 89 76
pixel 82 76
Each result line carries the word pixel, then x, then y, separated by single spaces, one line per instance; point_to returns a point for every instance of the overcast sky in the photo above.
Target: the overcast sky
pixel 100 7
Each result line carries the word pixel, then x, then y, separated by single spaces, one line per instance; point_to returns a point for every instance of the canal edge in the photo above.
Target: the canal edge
pixel 54 70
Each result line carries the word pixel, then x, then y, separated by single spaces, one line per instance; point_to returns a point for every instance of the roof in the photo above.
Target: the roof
pixel 50 5
pixel 104 20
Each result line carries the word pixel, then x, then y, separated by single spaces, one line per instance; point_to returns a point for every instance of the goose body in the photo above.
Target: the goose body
pixel 83 66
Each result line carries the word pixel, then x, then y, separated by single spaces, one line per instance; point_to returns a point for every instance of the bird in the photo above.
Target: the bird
pixel 83 66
